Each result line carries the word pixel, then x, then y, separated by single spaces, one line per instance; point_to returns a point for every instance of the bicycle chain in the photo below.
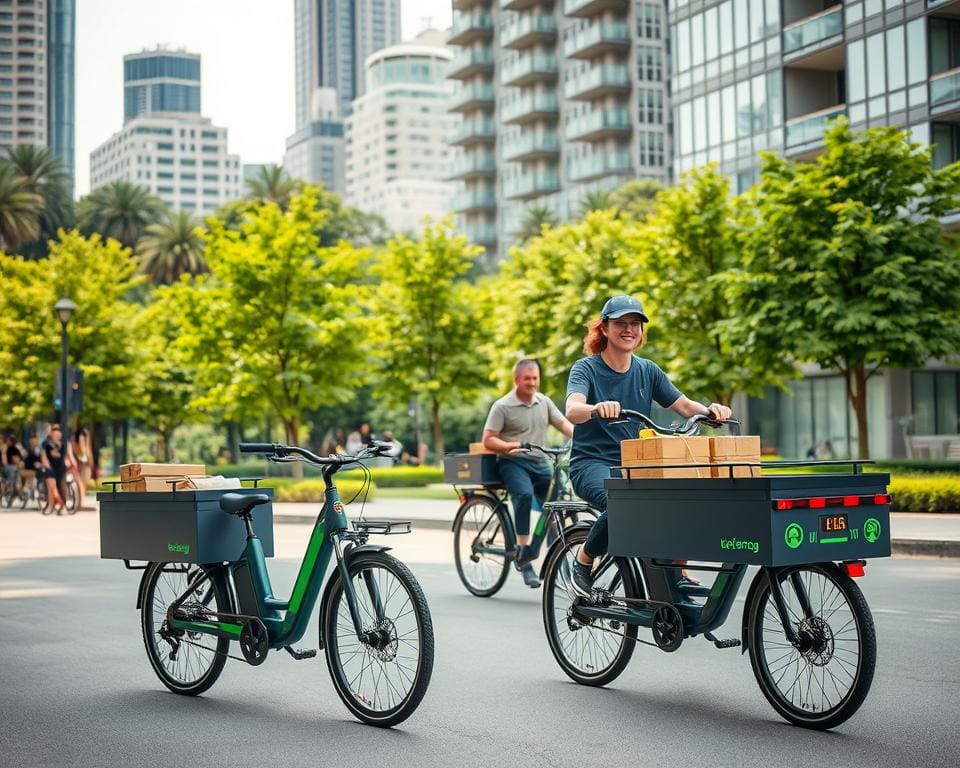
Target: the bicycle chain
pixel 218 653
pixel 638 601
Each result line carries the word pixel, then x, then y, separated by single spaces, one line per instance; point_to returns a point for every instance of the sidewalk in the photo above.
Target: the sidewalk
pixel 912 534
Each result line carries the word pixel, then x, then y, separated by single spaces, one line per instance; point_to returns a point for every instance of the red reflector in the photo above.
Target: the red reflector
pixel 818 503
pixel 851 501
pixel 853 569
pixel 800 503
pixel 881 498
pixel 463 499
pixel 784 504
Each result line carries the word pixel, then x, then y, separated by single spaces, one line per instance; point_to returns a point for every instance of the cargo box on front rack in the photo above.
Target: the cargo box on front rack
pixel 471 469
pixel 178 526
pixel 772 520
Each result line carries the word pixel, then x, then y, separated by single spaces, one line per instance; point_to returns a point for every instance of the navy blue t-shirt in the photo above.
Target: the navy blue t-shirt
pixel 635 390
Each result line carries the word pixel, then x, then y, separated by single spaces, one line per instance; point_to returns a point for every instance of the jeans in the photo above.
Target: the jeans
pixel 524 479
pixel 587 477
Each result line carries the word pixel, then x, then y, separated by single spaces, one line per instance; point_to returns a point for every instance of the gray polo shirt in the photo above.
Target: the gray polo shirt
pixel 512 419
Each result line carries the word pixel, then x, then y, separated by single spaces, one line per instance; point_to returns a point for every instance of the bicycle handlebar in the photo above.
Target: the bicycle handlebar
pixel 281 453
pixel 549 451
pixel 690 427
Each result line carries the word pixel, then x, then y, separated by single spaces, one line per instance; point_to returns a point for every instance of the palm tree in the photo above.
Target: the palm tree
pixel 272 185
pixel 121 210
pixel 20 209
pixel 46 176
pixel 536 218
pixel 599 200
pixel 172 247
pixel 637 199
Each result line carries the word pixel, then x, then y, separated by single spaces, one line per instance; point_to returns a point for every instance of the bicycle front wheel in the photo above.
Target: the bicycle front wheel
pixel 72 500
pixel 186 662
pixel 821 680
pixel 592 651
pixel 480 545
pixel 383 675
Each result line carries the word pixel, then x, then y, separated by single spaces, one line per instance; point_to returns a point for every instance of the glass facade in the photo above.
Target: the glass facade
pixel 935 402
pixel 61 109
pixel 163 82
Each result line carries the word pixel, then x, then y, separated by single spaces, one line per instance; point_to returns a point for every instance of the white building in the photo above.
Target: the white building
pixel 166 144
pixel 315 152
pixel 398 161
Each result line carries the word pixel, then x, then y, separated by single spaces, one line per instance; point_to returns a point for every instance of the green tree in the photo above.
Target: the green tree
pixel 172 247
pixel 598 200
pixel 277 323
pixel 98 276
pixel 534 220
pixel 121 210
pixel 20 209
pixel 637 199
pixel 846 263
pixel 693 243
pixel 47 177
pixel 272 185
pixel 430 327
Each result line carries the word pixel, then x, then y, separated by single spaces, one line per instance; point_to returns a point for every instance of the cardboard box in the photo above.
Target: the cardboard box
pixel 477 448
pixel 735 449
pixel 132 471
pixel 650 451
pixel 153 484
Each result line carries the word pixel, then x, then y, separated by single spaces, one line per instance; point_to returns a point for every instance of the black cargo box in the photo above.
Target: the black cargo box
pixel 471 469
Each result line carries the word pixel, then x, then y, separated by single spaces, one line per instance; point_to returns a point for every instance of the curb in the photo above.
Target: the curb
pixel 427 523
pixel 925 548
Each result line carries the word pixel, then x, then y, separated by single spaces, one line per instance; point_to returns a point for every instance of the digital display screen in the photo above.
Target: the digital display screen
pixel 833 524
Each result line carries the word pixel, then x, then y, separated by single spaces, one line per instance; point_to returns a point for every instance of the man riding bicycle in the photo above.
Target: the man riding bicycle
pixel 610 378
pixel 522 416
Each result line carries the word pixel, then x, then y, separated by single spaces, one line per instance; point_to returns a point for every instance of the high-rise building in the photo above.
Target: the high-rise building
pixel 559 98
pixel 315 153
pixel 398 161
pixel 166 144
pixel 61 68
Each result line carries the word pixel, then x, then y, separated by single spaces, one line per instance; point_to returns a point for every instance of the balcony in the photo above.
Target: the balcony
pixel 533 184
pixel 473 97
pixel 532 146
pixel 599 81
pixel 600 124
pixel 530 68
pixel 816 40
pixel 466 5
pixel 482 234
pixel 529 30
pixel 805 133
pixel 597 39
pixel 473 166
pixel 470 62
pixel 599 165
pixel 471 26
pixel 531 108
pixel 592 7
pixel 474 132
pixel 945 92
pixel 482 199
pixel 518 5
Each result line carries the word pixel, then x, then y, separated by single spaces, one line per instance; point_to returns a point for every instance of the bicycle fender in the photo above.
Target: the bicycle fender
pixel 348 555
pixel 759 580
pixel 584 525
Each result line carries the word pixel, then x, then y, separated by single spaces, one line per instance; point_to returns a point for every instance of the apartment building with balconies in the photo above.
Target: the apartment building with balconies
pixel 559 98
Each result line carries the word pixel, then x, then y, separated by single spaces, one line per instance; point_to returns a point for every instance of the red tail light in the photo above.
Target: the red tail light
pixel 854 568
pixel 851 501
pixel 819 503
pixel 881 498
pixel 783 504
pixel 463 499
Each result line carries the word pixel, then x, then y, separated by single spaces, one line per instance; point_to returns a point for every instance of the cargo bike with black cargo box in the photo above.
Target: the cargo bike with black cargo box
pixel 205 587
pixel 484 534
pixel 806 624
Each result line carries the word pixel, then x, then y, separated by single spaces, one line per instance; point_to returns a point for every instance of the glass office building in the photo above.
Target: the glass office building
pixel 61 97
pixel 160 81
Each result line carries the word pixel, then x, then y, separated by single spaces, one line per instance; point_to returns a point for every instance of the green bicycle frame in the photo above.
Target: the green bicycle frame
pixel 286 621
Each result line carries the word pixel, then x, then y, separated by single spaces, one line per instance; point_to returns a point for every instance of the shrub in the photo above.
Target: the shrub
pixel 917 465
pixel 400 476
pixel 925 493
pixel 313 490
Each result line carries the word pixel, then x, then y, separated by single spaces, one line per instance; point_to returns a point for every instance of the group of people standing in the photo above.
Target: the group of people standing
pixel 49 462
pixel 336 441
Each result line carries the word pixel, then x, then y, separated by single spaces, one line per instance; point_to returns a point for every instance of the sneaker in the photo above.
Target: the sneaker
pixel 688 581
pixel 522 557
pixel 530 576
pixel 582 578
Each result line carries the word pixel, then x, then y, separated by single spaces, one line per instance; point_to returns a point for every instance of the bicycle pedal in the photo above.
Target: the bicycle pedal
pixel 731 643
pixel 299 655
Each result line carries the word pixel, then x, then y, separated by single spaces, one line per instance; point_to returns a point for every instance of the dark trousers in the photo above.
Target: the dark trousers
pixel 587 477
pixel 524 479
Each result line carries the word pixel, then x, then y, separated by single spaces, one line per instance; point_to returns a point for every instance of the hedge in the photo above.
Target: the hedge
pixel 930 493
pixel 400 476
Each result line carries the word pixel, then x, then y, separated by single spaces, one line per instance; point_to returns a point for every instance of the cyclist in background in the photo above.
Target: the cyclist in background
pixel 612 377
pixel 12 460
pixel 53 457
pixel 32 464
pixel 522 416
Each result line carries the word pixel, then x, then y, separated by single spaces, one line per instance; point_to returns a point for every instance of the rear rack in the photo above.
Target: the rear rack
pixel 173 483
pixel 855 464
pixel 382 527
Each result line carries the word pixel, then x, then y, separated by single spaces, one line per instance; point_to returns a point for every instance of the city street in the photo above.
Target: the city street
pixel 76 688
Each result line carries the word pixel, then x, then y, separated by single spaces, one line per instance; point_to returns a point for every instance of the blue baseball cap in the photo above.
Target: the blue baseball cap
pixel 618 306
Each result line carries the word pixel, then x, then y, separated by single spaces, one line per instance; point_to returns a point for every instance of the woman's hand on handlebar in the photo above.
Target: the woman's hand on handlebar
pixel 608 409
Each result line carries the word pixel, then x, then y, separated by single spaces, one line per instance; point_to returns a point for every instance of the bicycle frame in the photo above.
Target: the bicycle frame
pixel 286 621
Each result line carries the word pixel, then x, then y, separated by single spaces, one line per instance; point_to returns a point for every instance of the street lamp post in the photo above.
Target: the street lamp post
pixel 64 310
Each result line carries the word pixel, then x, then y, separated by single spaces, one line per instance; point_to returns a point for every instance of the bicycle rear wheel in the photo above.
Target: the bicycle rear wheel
pixel 823 679
pixel 186 662
pixel 480 545
pixel 72 500
pixel 382 677
pixel 589 651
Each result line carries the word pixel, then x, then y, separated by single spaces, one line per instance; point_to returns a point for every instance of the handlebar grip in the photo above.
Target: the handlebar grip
pixel 257 447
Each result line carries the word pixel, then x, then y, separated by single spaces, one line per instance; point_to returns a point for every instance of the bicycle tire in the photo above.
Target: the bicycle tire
pixel 199 661
pixel 72 502
pixel 598 641
pixel 482 574
pixel 846 612
pixel 405 615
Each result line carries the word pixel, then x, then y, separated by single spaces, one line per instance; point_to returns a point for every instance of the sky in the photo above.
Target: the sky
pixel 246 49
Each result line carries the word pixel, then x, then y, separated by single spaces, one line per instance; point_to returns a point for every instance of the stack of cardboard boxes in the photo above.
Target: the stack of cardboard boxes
pixel 658 456
pixel 159 477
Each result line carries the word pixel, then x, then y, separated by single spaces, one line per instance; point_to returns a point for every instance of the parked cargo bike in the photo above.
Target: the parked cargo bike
pixel 806 624
pixel 206 587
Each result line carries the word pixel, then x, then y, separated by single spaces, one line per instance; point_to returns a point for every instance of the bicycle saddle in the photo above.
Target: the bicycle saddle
pixel 240 504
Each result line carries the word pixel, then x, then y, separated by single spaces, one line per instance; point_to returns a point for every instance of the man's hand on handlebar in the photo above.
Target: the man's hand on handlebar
pixel 608 409
pixel 718 412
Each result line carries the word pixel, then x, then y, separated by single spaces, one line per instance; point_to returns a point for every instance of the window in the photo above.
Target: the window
pixel 651 105
pixel 935 397
pixel 856 74
pixel 916 51
pixel 650 63
pixel 649 22
pixel 876 76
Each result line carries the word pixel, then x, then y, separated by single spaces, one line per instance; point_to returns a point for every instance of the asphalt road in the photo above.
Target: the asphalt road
pixel 76 688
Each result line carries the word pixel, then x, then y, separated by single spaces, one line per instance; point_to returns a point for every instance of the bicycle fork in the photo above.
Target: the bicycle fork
pixel 780 603
pixel 373 590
